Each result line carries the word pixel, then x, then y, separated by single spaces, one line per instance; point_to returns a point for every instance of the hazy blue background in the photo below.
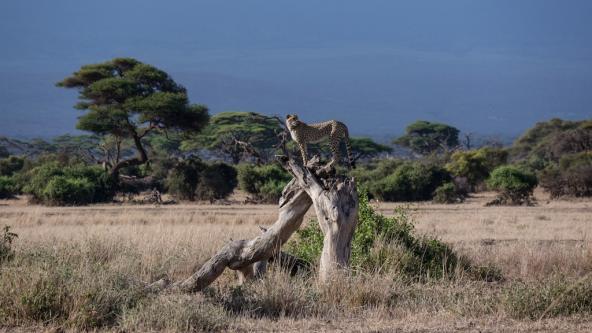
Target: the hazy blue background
pixel 485 66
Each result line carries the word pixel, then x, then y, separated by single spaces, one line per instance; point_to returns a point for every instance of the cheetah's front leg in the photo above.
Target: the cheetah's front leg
pixel 303 152
pixel 335 150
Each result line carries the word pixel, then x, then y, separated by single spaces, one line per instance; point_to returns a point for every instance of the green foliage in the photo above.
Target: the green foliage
pixel 184 177
pixel 364 148
pixel 192 179
pixel 308 243
pixel 397 180
pixel 383 243
pixel 515 186
pixel 447 193
pixel 424 137
pixel 410 181
pixel 62 190
pixel 10 165
pixel 8 187
pixel 571 141
pixel 128 99
pixel 265 183
pixel 548 141
pixel 572 176
pixel 375 170
pixel 476 165
pixel 123 93
pixel 216 181
pixel 6 240
pixel 559 151
pixel 54 184
pixel 225 128
pixel 534 139
pixel 165 145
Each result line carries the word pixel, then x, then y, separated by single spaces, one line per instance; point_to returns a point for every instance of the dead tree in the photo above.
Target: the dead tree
pixel 335 201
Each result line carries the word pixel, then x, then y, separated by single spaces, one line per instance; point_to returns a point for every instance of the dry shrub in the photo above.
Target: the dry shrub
pixel 571 176
pixel 550 297
pixel 280 296
pixel 66 285
pixel 351 293
pixel 176 313
pixel 6 249
pixel 276 295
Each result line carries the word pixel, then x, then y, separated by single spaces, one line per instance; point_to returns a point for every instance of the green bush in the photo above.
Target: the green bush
pixel 264 183
pixel 55 184
pixel 216 181
pixel 183 179
pixel 159 168
pixel 8 187
pixel 572 176
pixel 383 243
pixel 368 173
pixel 447 193
pixel 536 140
pixel 411 181
pixel 547 142
pixel 10 165
pixel 476 165
pixel 515 186
pixel 62 190
pixel 192 179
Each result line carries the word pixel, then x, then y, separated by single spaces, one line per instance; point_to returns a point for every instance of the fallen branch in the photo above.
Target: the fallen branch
pixel 336 203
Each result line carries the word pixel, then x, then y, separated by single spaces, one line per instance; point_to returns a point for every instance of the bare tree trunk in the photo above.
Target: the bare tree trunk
pixel 138 160
pixel 336 205
pixel 335 200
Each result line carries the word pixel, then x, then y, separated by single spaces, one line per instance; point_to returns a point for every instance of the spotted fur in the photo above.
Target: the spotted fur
pixel 334 130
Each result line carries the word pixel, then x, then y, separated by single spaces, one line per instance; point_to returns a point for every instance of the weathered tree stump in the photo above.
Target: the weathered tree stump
pixel 335 200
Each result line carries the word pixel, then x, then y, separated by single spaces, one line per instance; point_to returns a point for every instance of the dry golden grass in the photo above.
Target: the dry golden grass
pixel 143 242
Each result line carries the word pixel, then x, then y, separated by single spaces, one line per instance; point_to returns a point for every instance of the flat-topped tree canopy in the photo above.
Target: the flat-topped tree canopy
pixel 226 129
pixel 129 99
pixel 426 137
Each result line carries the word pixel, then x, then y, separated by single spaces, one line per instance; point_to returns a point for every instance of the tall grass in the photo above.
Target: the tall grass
pixel 87 271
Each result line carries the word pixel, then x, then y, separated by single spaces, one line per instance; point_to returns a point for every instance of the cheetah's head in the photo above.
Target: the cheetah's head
pixel 292 121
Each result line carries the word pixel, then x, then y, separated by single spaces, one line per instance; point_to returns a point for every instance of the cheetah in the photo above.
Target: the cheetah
pixel 303 134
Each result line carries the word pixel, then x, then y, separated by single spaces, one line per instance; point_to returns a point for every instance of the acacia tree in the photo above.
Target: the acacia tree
pixel 238 135
pixel 128 99
pixel 367 148
pixel 424 137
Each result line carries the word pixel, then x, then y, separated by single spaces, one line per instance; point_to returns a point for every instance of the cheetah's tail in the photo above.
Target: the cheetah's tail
pixel 350 156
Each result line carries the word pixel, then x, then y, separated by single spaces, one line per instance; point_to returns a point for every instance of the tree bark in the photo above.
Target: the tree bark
pixel 139 160
pixel 335 200
pixel 249 256
pixel 336 205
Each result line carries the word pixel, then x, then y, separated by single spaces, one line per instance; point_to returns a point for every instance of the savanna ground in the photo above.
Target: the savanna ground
pixel 85 267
